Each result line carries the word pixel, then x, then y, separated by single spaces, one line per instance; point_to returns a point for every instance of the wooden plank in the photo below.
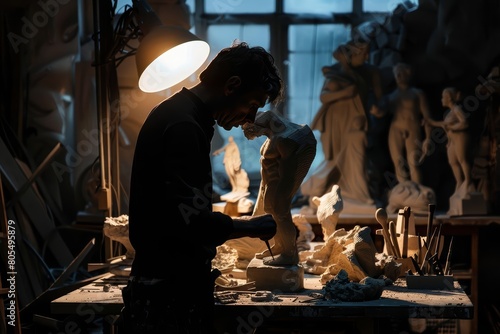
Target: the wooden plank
pixel 33 207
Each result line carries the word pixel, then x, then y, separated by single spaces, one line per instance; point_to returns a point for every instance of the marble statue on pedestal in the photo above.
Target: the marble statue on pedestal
pixel 408 107
pixel 465 199
pixel 350 88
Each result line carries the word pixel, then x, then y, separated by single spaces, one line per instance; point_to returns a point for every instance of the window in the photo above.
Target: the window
pixel 301 35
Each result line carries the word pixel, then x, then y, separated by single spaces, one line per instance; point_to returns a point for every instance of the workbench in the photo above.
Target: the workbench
pixel 465 226
pixel 397 301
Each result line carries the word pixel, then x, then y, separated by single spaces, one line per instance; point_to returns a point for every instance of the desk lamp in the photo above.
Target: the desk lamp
pixel 165 56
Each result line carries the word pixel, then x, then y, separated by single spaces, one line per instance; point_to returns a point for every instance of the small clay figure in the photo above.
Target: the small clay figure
pixel 231 161
pixel 286 156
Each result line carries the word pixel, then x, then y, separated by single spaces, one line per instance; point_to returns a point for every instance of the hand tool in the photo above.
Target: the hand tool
pixel 381 217
pixel 268 247
pixel 438 238
pixel 426 257
pixel 415 264
pixel 406 223
pixel 394 238
pixel 419 254
pixel 430 218
pixel 447 268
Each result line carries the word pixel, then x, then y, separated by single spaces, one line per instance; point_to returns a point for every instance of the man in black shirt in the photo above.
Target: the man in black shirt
pixel 172 227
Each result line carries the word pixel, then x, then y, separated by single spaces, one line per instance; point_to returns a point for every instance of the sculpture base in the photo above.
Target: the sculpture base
pixel 272 278
pixel 474 204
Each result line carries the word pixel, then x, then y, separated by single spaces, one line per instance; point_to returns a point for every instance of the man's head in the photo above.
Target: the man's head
pixel 247 78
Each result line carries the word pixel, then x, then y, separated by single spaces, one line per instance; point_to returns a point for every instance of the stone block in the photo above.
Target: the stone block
pixel 275 278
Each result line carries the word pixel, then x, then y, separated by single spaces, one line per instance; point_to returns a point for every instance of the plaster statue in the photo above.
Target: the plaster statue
pixel 350 88
pixel 330 206
pixel 408 106
pixel 237 176
pixel 456 125
pixel 286 156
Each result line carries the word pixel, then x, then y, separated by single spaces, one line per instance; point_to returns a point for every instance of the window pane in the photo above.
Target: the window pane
pixel 239 6
pixel 317 6
pixel 192 5
pixel 310 49
pixel 219 37
pixel 387 6
pixel 222 36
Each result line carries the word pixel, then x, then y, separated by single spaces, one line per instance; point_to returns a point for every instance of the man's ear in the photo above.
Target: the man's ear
pixel 232 84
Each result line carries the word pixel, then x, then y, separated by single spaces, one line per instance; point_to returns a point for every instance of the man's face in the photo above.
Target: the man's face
pixel 239 109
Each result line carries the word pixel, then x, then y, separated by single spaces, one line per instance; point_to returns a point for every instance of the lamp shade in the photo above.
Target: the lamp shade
pixel 166 56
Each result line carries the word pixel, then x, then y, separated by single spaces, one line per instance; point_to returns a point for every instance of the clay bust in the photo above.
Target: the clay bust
pixel 408 106
pixel 286 156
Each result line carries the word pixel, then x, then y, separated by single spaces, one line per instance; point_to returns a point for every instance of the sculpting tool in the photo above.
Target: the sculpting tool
pixel 415 264
pixel 394 238
pixel 406 222
pixel 269 248
pixel 426 257
pixel 419 254
pixel 447 268
pixel 381 217
pixel 438 239
pixel 430 218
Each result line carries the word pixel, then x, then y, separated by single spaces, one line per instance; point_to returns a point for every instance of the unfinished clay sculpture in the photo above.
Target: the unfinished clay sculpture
pixel 286 156
pixel 329 207
pixel 354 252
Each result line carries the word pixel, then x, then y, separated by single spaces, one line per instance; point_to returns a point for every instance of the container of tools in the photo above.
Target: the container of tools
pixel 430 282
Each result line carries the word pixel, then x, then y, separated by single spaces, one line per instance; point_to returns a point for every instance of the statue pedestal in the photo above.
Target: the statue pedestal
pixel 281 278
pixel 473 204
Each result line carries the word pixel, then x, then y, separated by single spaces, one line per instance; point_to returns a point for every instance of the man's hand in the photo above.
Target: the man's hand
pixel 263 227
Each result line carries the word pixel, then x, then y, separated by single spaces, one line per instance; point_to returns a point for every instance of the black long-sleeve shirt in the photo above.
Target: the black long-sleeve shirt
pixel 172 226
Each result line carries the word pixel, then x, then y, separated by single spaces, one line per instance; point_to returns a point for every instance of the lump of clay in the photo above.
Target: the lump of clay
pixel 341 288
pixel 353 252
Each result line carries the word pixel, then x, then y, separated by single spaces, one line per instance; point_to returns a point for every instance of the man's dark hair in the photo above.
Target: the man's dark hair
pixel 254 65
